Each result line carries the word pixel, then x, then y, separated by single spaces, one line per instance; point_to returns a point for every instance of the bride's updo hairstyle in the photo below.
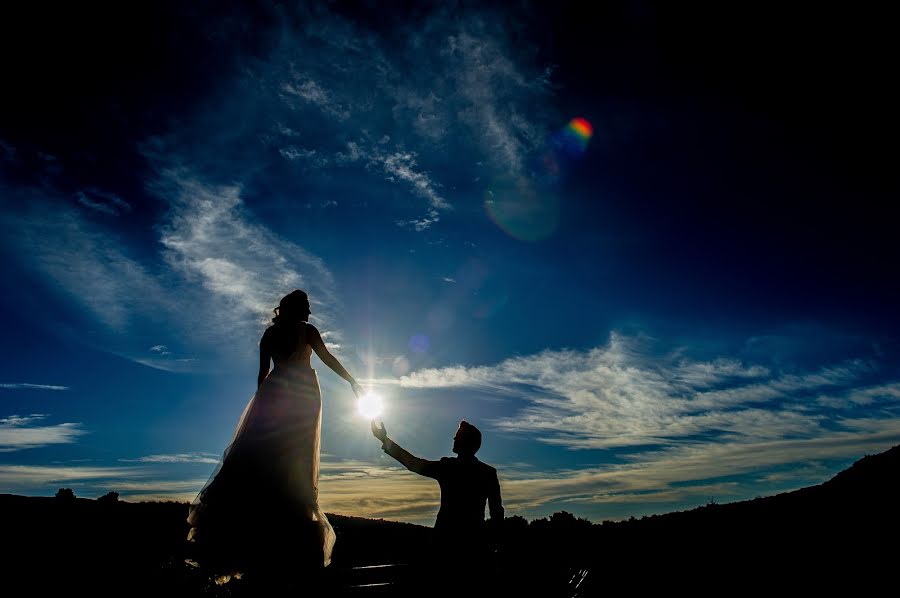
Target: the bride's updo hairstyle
pixel 292 308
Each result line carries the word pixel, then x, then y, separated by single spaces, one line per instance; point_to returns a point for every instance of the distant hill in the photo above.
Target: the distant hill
pixel 839 534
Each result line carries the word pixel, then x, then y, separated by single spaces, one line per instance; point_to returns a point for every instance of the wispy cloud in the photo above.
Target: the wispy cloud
pixel 398 165
pixel 308 91
pixel 390 491
pixel 16 477
pixel 402 165
pixel 312 157
pixel 132 483
pixel 420 224
pixel 623 395
pixel 484 97
pixel 176 458
pixel 28 385
pixel 495 90
pixel 212 256
pixel 683 473
pixel 212 240
pixel 90 264
pixel 20 432
pixel 103 201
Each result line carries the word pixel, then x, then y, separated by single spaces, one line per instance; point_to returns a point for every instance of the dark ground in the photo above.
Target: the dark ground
pixel 837 536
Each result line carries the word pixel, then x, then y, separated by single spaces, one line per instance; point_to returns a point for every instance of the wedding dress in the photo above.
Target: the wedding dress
pixel 261 503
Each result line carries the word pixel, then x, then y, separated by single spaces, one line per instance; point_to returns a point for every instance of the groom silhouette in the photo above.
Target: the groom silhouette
pixel 461 535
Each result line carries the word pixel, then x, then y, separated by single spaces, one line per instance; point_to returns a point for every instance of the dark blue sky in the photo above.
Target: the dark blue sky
pixel 698 301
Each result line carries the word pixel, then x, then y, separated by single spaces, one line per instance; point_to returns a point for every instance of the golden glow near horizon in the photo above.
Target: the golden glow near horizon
pixel 370 405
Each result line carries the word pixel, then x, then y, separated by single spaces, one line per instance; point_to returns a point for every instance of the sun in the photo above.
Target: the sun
pixel 369 405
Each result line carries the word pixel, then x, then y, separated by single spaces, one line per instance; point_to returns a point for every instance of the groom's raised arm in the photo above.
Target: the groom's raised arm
pixel 411 462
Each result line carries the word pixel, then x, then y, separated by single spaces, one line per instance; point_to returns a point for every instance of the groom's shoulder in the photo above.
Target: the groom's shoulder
pixel 486 469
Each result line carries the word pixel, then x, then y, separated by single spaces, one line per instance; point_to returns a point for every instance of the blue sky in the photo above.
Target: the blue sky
pixel 697 304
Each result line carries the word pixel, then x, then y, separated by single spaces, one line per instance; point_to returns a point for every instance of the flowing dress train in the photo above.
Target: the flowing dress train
pixel 260 506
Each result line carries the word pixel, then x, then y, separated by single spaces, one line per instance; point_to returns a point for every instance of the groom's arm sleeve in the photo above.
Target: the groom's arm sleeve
pixel 495 503
pixel 411 462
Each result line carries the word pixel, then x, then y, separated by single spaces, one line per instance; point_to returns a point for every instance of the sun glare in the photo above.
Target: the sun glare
pixel 369 405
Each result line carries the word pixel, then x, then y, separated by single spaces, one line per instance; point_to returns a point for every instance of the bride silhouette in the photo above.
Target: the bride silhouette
pixel 259 510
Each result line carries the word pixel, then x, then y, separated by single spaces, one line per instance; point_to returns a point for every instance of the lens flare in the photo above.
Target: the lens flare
pixel 521 209
pixel 526 204
pixel 573 140
pixel 419 343
pixel 370 405
pixel 581 128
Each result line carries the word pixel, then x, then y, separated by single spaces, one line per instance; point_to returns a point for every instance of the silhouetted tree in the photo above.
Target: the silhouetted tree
pixel 65 495
pixel 109 498
pixel 515 524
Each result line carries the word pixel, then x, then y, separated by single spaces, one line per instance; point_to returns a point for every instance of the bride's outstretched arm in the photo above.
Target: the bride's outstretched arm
pixel 315 341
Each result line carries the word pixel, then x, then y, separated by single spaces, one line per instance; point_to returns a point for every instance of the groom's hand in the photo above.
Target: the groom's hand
pixel 379 432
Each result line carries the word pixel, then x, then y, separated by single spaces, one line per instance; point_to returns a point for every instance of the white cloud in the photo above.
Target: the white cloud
pixel 882 393
pixel 309 91
pixel 402 165
pixel 399 165
pixel 132 483
pixel 217 273
pixel 420 224
pixel 28 385
pixel 25 432
pixel 483 94
pixel 310 156
pixel 622 395
pixel 496 92
pixel 31 477
pixel 176 458
pixel 378 490
pixel 244 268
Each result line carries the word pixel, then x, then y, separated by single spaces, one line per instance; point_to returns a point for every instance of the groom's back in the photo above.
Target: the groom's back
pixel 466 486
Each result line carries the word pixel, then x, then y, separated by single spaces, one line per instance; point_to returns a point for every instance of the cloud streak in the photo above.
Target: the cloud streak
pixel 102 201
pixel 619 395
pixel 212 241
pixel 18 432
pixel 16 477
pixel 176 458
pixel 458 84
pixel 30 386
pixel 85 261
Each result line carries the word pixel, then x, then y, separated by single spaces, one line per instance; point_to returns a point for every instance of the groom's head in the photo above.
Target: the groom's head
pixel 467 440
